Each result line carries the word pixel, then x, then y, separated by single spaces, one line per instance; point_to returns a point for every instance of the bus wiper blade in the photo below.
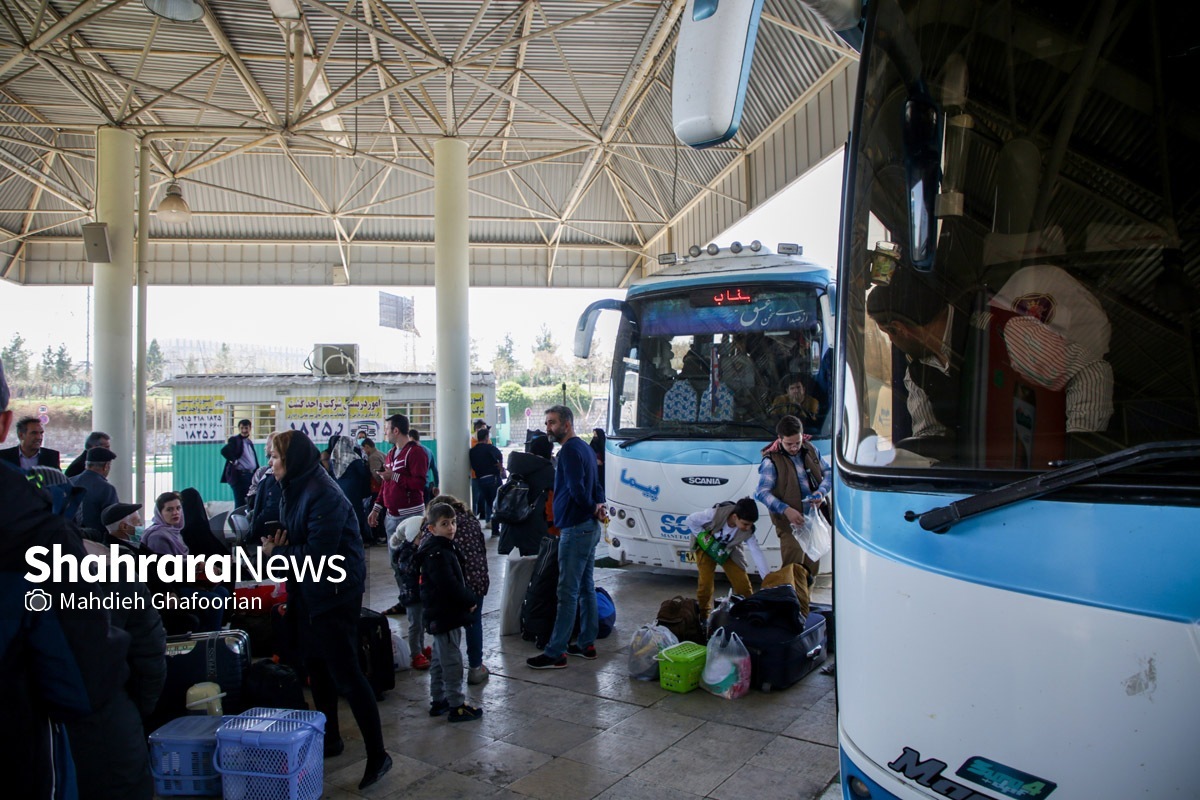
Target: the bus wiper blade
pixel 760 425
pixel 941 519
pixel 644 437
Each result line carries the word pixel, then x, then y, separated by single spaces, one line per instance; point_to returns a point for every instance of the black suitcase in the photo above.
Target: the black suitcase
pixel 375 651
pixel 221 657
pixel 779 656
pixel 826 611
pixel 272 685
pixel 261 630
pixel 286 638
pixel 540 607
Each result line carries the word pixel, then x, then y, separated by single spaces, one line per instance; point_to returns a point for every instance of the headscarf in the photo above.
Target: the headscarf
pixel 341 455
pixel 165 539
pixel 302 459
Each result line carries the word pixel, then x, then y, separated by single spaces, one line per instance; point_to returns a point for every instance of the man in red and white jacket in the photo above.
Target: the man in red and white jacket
pixel 403 476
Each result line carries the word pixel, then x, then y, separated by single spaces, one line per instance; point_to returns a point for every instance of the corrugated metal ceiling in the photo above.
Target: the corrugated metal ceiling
pixel 534 86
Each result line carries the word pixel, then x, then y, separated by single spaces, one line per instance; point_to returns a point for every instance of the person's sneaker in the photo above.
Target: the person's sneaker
pixel 477 675
pixel 438 707
pixel 465 713
pixel 334 747
pixel 588 652
pixel 420 661
pixel 544 661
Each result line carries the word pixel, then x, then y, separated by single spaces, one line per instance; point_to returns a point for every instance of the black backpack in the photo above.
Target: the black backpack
pixel 272 685
pixel 514 503
pixel 407 572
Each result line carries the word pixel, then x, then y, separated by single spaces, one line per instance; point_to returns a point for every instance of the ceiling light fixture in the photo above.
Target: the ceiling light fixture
pixel 174 209
pixel 175 10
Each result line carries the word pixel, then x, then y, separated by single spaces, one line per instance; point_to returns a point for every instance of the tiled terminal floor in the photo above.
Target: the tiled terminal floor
pixel 590 731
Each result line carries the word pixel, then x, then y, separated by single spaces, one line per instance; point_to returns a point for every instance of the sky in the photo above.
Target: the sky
pixel 805 213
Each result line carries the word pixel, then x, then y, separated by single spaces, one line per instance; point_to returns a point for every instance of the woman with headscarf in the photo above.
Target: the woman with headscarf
pixel 165 536
pixel 353 478
pixel 597 443
pixel 197 534
pixel 318 523
pixel 536 469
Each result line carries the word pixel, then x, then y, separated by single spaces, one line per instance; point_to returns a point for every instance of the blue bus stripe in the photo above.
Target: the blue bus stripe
pixel 1131 558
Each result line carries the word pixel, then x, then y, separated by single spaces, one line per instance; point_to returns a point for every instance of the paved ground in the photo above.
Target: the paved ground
pixel 590 731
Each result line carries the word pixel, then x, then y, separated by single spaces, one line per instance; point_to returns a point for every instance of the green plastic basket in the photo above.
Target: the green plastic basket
pixel 680 666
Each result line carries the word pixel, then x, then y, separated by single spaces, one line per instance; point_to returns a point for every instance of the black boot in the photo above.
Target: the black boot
pixel 377 767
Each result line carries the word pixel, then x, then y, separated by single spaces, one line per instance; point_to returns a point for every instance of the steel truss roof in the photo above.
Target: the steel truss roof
pixel 310 125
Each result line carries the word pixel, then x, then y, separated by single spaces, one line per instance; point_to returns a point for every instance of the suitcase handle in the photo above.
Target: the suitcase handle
pixel 816 651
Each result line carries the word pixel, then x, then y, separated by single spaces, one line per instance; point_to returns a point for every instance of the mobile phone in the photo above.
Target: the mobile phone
pixel 272 527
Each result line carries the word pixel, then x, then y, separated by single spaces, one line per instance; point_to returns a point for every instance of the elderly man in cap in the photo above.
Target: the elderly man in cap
pixel 122 522
pixel 94 439
pixel 100 493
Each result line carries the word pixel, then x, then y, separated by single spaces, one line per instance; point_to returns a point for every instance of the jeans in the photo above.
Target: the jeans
pixel 416 628
pixel 488 486
pixel 474 636
pixel 476 502
pixel 576 588
pixel 211 618
pixel 240 482
pixel 446 672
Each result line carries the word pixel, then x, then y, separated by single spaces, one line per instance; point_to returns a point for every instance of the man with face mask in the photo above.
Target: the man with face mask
pixel 123 522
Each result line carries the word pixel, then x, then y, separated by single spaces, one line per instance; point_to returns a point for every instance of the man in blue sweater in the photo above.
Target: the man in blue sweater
pixel 578 512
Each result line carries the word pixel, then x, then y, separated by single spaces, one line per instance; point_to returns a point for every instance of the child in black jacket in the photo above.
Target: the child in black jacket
pixel 448 608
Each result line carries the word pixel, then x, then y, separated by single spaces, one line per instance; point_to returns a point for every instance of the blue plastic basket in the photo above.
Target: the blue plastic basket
pixel 181 757
pixel 272 754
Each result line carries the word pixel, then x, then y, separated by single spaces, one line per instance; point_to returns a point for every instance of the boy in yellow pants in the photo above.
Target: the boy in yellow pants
pixel 719 534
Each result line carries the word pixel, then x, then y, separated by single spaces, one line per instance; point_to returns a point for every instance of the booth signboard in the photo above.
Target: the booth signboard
pixel 199 418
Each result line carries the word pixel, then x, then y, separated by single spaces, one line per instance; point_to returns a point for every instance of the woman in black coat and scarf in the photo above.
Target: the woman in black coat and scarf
pixel 537 470
pixel 318 523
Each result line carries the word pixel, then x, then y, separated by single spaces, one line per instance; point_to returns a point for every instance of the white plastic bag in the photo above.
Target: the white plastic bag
pixel 401 656
pixel 648 641
pixel 814 536
pixel 726 666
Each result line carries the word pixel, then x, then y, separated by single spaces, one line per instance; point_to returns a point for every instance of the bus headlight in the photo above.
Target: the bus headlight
pixel 630 522
pixel 858 788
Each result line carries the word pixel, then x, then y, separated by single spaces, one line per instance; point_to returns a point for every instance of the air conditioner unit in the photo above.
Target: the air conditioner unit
pixel 334 359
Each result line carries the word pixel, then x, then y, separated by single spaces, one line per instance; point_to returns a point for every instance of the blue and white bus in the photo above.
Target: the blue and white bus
pixel 1017 474
pixel 706 352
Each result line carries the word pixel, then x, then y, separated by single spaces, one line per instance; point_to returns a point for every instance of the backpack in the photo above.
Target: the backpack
pixel 273 685
pixel 514 504
pixel 681 616
pixel 407 573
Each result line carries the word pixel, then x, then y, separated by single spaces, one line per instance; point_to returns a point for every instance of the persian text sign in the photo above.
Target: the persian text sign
pixel 199 418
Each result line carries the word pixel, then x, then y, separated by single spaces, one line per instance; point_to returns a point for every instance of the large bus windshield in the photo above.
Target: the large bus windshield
pixel 1021 291
pixel 704 363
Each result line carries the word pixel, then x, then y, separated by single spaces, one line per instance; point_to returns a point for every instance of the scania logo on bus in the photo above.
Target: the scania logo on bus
pixel 997 777
pixel 704 480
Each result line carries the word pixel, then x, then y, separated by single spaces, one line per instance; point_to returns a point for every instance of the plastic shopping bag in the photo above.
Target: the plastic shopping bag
pixel 727 666
pixel 648 642
pixel 814 536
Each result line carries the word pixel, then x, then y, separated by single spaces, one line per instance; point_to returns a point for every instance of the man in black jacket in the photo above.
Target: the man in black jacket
pixel 241 461
pixel 56 663
pixel 94 439
pixel 448 607
pixel 30 453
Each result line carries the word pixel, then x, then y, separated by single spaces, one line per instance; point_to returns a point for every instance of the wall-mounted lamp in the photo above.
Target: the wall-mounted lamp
pixel 175 10
pixel 174 209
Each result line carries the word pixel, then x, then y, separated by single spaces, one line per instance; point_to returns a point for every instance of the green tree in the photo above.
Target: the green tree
pixel 155 362
pixel 504 364
pixel 16 359
pixel 64 369
pixel 544 343
pixel 223 363
pixel 46 368
pixel 475 355
pixel 190 368
pixel 517 398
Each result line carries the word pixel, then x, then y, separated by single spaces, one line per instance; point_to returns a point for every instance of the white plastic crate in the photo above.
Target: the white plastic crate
pixel 272 754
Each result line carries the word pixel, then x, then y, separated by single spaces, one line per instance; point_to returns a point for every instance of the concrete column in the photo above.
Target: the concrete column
pixel 143 278
pixel 451 281
pixel 112 373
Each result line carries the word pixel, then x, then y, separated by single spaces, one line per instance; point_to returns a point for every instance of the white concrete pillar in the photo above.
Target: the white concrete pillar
pixel 112 371
pixel 143 279
pixel 452 282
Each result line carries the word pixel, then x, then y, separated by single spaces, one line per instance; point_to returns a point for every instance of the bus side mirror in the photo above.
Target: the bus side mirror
pixel 922 133
pixel 586 326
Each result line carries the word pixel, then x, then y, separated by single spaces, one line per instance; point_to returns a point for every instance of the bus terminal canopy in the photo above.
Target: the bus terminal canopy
pixel 301 135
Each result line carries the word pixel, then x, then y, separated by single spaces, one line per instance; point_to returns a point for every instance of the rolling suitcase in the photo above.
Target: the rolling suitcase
pixel 541 598
pixel 826 611
pixel 375 651
pixel 780 656
pixel 221 657
pixel 517 573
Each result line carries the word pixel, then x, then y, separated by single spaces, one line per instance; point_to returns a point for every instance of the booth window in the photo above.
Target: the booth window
pixel 420 415
pixel 262 415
